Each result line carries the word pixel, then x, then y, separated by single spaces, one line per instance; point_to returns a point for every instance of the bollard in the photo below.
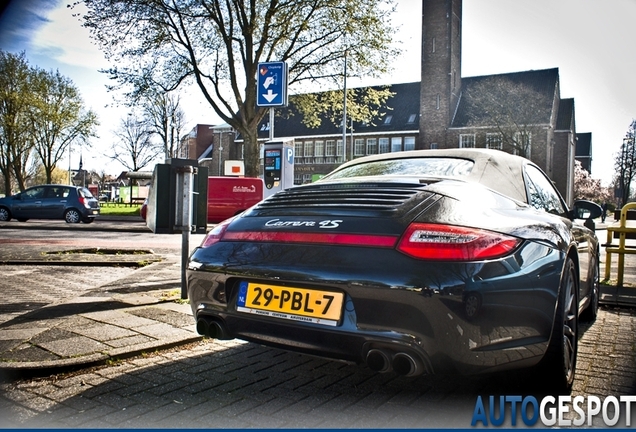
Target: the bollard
pixel 622 249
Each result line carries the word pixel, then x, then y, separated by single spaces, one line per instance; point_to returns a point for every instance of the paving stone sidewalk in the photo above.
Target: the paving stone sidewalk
pixel 133 307
pixel 137 310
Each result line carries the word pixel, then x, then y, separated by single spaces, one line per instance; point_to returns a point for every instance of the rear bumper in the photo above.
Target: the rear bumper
pixel 470 318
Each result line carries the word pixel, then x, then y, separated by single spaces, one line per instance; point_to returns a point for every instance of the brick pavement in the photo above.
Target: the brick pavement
pixel 237 384
pixel 227 384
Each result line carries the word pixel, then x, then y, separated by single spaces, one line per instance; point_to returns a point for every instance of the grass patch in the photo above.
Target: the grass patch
pixel 103 251
pixel 174 296
pixel 115 209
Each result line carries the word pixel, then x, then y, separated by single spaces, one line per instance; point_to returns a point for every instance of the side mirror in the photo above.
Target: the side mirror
pixel 587 210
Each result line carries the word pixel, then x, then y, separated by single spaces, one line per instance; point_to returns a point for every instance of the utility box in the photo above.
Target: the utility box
pixel 278 166
pixel 162 197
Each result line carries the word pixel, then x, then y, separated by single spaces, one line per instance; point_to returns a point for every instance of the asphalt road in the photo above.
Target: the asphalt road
pixel 230 384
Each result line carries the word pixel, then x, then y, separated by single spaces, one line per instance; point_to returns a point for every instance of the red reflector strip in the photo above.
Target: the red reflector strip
pixel 314 238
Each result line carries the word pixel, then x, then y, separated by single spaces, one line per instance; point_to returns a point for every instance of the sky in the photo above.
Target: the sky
pixel 590 41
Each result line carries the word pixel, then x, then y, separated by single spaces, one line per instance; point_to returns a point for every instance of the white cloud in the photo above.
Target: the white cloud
pixel 67 40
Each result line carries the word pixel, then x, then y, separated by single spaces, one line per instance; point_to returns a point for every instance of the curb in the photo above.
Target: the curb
pixel 76 263
pixel 101 223
pixel 19 370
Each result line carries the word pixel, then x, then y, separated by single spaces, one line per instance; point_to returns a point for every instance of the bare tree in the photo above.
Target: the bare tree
pixel 219 44
pixel 625 164
pixel 134 148
pixel 513 109
pixel 57 119
pixel 166 119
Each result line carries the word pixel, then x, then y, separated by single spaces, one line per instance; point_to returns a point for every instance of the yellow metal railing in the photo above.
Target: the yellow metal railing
pixel 622 229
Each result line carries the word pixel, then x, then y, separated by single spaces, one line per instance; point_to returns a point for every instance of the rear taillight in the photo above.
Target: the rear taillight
pixel 83 201
pixel 453 243
pixel 216 234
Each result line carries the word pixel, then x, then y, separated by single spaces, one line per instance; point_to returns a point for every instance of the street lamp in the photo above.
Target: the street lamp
pixel 220 150
pixel 344 109
pixel 70 182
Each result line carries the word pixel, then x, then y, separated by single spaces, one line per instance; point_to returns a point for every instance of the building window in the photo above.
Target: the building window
pixel 298 152
pixel 298 179
pixel 434 146
pixel 396 144
pixel 330 151
pixel 437 102
pixel 372 146
pixel 306 178
pixel 319 152
pixel 308 150
pixel 387 119
pixel 384 145
pixel 412 118
pixel 523 144
pixel 467 141
pixel 409 143
pixel 358 149
pixel 339 151
pixel 433 45
pixel 494 141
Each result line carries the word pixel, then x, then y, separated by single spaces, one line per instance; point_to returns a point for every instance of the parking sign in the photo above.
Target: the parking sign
pixel 272 84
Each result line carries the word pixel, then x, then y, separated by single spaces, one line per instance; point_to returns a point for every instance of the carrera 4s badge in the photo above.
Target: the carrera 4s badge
pixel 326 224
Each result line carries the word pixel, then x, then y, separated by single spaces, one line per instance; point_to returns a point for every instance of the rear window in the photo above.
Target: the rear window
pixel 418 167
pixel 85 193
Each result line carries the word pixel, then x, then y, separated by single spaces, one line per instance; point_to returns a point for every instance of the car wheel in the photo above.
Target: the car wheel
pixel 472 304
pixel 88 220
pixel 5 214
pixel 591 311
pixel 72 216
pixel 559 362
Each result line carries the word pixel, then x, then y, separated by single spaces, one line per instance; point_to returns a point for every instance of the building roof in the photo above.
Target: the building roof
pixel 584 144
pixel 403 107
pixel 565 116
pixel 531 93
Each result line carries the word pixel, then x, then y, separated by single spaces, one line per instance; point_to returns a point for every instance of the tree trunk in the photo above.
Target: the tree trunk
pixel 252 155
pixel 6 174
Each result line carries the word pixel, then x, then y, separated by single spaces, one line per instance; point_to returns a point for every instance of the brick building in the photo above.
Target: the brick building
pixel 521 113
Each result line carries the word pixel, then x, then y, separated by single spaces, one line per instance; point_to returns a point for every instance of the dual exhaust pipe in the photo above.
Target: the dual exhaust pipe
pixel 402 363
pixel 212 328
pixel 378 360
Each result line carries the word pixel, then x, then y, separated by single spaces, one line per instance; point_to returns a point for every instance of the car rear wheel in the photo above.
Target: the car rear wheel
pixel 590 312
pixel 559 363
pixel 5 214
pixel 72 216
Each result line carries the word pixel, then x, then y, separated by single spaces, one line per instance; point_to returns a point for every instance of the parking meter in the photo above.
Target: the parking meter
pixel 165 208
pixel 278 166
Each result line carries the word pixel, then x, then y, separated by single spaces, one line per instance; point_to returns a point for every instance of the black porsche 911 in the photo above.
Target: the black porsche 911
pixel 427 261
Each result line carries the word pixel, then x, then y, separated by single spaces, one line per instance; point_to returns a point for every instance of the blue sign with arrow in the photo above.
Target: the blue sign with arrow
pixel 271 84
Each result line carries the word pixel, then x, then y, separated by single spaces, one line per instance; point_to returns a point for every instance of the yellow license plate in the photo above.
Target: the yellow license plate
pixel 299 304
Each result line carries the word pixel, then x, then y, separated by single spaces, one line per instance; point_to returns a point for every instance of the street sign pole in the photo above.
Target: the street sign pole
pixel 271 123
